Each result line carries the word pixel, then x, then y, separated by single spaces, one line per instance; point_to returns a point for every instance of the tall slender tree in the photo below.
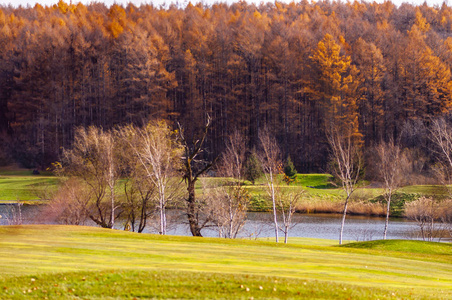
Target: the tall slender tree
pixel 346 161
pixel 269 155
pixel 391 165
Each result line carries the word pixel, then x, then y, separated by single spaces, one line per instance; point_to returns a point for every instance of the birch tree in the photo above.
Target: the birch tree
pixel 286 206
pixel 441 136
pixel 139 192
pixel 158 152
pixel 269 156
pixel 346 159
pixel 391 165
pixel 231 198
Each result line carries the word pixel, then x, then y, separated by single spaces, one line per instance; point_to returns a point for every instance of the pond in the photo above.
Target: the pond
pixel 324 226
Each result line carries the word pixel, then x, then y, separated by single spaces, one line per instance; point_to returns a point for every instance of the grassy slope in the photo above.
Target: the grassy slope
pixel 26 188
pixel 59 261
pixel 21 184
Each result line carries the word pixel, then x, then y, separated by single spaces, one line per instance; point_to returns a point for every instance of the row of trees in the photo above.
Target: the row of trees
pixel 134 173
pixel 289 67
pixel 149 165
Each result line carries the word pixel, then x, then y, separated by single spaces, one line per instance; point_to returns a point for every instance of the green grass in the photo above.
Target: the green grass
pixel 317 181
pixel 62 262
pixel 165 284
pixel 407 246
pixel 18 184
pixel 26 188
pixel 428 251
pixel 16 171
pixel 315 187
pixel 426 190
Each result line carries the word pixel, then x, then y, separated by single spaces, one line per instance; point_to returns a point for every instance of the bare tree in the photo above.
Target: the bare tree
pixel 233 159
pixel 232 198
pixel 138 205
pixel 346 159
pixel 269 155
pixel 139 192
pixel 391 166
pixel 431 216
pixel 226 208
pixel 14 213
pixel 70 205
pixel 441 135
pixel 286 206
pixel 155 147
pixel 94 159
pixel 192 168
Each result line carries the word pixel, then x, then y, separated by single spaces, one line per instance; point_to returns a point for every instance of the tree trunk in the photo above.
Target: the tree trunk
pixel 162 218
pixel 143 217
pixel 387 216
pixel 112 216
pixel 191 210
pixel 162 209
pixel 343 220
pixel 231 222
pixel 275 219
pixel 102 220
pixel 286 233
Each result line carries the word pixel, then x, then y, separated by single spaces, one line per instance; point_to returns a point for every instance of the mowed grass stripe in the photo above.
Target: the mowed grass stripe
pixel 31 250
pixel 128 284
pixel 26 188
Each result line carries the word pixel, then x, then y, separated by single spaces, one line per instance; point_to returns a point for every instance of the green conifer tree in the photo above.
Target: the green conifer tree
pixel 290 173
pixel 253 169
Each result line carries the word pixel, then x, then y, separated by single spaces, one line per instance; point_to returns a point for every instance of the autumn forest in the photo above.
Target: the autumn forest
pixel 290 68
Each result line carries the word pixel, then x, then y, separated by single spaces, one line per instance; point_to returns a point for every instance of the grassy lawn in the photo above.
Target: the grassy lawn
pixel 427 190
pixel 61 262
pixel 18 184
pixel 26 188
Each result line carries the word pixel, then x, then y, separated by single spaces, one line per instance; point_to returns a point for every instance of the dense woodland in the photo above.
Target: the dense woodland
pixel 288 67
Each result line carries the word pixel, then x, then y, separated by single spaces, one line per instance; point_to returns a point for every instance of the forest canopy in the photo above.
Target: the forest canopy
pixel 291 68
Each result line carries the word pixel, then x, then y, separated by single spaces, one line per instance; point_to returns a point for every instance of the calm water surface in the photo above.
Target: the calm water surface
pixel 325 226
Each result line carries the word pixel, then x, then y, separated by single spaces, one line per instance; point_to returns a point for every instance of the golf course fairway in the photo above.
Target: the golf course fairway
pixel 75 262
